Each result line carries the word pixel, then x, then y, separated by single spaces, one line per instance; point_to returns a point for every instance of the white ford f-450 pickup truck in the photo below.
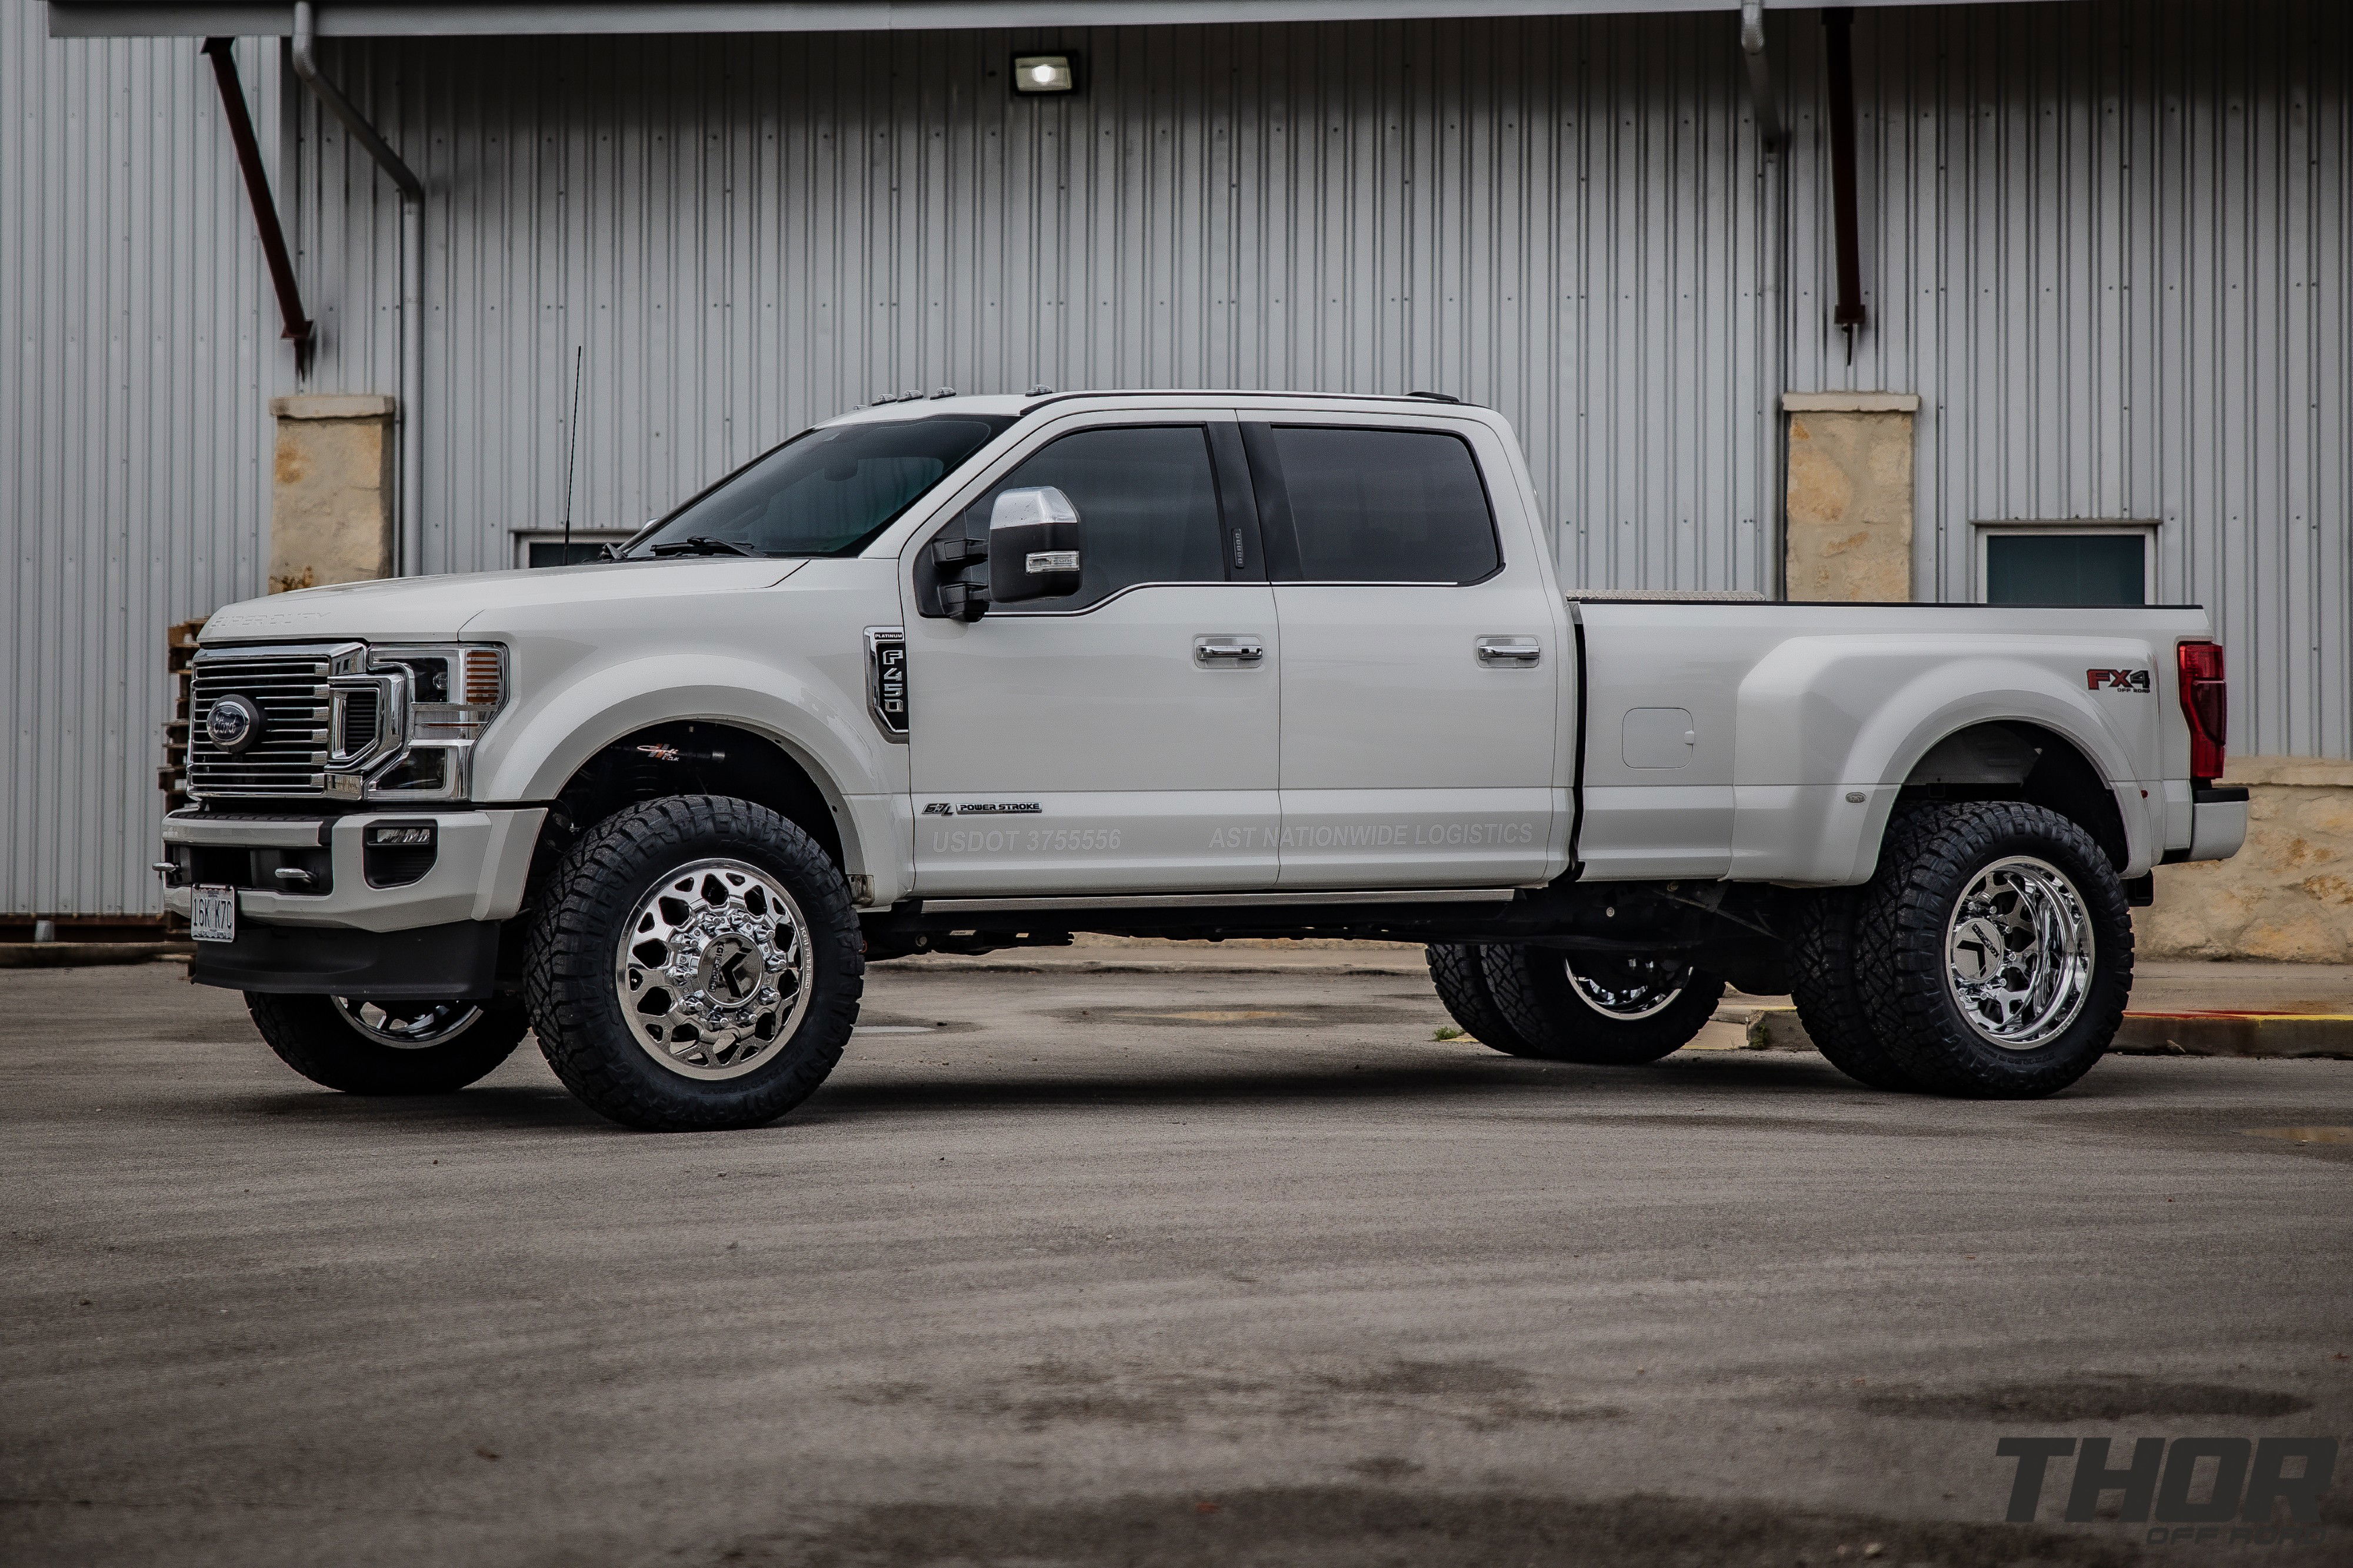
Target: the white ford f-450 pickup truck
pixel 962 673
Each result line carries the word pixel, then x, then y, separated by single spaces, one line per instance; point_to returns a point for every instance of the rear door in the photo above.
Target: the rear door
pixel 1422 659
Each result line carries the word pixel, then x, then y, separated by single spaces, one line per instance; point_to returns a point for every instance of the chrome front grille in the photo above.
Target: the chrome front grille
pixel 290 685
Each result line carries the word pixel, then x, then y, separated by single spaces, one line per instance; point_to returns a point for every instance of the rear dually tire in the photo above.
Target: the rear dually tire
pixel 1994 948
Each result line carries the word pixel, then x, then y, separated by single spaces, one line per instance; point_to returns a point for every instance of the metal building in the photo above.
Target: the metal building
pixel 2106 245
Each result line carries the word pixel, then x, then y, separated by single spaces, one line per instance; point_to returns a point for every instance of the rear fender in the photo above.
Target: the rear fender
pixel 1822 720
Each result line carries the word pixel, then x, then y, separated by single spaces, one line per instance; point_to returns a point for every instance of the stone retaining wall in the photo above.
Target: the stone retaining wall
pixel 2288 895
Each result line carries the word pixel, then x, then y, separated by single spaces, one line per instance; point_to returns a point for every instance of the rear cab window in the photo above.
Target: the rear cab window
pixel 1373 504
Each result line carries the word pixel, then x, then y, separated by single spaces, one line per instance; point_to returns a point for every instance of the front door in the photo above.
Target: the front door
pixel 1422 659
pixel 1123 740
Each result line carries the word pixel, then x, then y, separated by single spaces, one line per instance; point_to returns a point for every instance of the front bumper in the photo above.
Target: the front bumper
pixel 482 859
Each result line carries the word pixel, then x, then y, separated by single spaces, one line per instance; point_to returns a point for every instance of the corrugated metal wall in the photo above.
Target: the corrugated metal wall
pixel 134 489
pixel 1560 219
pixel 2107 244
pixel 2111 247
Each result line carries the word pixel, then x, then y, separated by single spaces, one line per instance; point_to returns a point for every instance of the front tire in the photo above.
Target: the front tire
pixel 390 1047
pixel 1602 1010
pixel 696 965
pixel 1994 950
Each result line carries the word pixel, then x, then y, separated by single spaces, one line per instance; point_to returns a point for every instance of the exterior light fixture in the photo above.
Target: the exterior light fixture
pixel 1036 74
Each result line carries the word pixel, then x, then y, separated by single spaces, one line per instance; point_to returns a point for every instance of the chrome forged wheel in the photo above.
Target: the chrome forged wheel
pixel 410 1026
pixel 389 1048
pixel 1628 988
pixel 2019 952
pixel 695 964
pixel 711 969
pixel 1602 1009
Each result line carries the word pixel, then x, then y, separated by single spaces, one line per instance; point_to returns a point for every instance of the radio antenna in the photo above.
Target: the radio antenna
pixel 571 451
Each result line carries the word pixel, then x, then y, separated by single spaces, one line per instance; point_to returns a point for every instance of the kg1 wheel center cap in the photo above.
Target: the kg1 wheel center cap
pixel 728 970
pixel 1978 951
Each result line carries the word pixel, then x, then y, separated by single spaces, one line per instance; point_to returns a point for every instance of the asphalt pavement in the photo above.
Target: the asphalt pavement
pixel 1161 1268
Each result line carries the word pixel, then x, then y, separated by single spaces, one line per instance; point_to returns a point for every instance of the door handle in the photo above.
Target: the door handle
pixel 1509 653
pixel 1215 649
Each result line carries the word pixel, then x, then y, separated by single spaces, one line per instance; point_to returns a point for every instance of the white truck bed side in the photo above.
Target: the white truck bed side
pixel 1793 711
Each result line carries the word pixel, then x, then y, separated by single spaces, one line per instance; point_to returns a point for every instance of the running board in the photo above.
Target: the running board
pixel 1218 900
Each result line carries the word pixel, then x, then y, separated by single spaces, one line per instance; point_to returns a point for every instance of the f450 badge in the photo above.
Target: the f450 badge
pixel 2115 679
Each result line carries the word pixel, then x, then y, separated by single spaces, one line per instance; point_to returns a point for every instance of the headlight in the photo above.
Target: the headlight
pixel 406 729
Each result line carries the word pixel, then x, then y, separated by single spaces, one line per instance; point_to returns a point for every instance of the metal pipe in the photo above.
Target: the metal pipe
pixel 412 387
pixel 1760 73
pixel 1838 24
pixel 222 52
pixel 412 279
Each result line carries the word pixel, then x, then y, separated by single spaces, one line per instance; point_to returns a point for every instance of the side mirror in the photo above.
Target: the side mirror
pixel 1034 546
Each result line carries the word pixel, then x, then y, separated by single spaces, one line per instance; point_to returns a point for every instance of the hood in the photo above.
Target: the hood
pixel 436 609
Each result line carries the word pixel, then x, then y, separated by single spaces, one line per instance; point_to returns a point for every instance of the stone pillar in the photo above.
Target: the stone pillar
pixel 331 506
pixel 2287 895
pixel 1849 496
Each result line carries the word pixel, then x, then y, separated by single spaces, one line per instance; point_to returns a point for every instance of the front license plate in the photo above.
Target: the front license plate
pixel 212 914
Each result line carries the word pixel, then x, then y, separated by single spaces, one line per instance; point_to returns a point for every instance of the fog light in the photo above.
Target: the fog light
pixel 1045 73
pixel 396 854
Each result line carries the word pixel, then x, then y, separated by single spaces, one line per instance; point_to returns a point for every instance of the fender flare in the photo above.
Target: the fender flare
pixel 1899 735
pixel 595 706
pixel 1796 737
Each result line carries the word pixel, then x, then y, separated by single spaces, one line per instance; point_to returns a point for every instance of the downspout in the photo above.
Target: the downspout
pixel 412 279
pixel 1838 23
pixel 1772 296
pixel 1760 73
pixel 222 52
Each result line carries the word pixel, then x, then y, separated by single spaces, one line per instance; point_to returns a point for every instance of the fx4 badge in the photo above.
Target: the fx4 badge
pixel 2115 679
pixel 983 808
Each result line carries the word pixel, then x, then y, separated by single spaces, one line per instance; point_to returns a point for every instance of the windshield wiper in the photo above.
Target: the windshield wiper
pixel 699 545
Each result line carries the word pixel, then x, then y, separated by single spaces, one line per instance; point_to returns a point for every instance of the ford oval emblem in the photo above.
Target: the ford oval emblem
pixel 234 724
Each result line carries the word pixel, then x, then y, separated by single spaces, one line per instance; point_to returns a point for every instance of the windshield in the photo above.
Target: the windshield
pixel 824 492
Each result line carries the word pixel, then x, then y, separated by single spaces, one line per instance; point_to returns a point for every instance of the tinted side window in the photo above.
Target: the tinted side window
pixel 1386 506
pixel 1146 496
pixel 826 491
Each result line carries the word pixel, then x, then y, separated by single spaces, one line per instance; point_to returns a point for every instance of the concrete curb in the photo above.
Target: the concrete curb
pixel 2275 1036
pixel 87 954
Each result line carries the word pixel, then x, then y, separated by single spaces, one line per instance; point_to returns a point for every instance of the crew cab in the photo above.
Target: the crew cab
pixel 961 673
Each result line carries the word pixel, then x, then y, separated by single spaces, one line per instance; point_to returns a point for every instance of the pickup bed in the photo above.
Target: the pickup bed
pixel 962 673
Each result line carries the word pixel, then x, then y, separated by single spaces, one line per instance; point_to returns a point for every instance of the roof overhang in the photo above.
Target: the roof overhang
pixel 424 18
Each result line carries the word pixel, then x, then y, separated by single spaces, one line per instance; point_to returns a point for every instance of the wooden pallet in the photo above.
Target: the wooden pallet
pixel 179 652
pixel 172 778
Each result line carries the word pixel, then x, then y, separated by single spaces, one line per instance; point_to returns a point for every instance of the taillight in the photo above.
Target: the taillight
pixel 2206 704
